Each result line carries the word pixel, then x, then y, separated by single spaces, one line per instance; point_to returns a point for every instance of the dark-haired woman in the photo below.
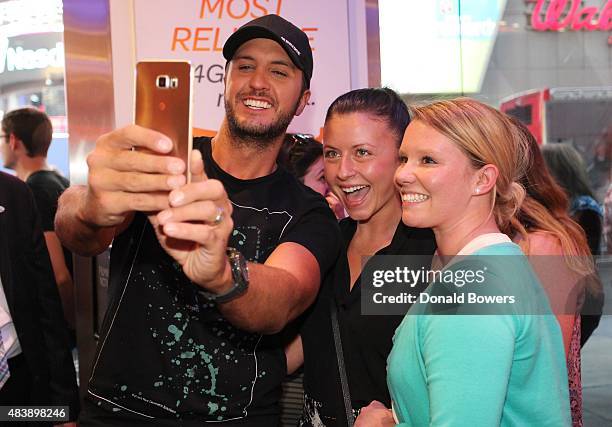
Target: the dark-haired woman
pixel 363 130
pixel 567 167
pixel 302 156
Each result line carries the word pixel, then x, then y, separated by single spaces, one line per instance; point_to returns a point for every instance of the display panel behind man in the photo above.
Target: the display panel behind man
pixel 189 336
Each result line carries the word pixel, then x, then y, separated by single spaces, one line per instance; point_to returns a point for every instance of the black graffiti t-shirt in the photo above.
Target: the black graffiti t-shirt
pixel 165 351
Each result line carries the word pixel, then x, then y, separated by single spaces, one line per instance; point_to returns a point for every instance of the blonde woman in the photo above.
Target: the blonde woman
pixel 461 161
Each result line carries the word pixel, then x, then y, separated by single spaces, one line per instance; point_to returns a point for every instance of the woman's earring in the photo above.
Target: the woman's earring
pixel 478 191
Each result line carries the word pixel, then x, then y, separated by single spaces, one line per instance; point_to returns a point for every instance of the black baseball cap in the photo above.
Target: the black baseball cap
pixel 273 27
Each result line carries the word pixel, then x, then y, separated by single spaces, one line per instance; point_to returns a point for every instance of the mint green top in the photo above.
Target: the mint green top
pixel 483 370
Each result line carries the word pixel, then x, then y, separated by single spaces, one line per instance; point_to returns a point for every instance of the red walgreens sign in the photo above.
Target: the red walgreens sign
pixel 563 15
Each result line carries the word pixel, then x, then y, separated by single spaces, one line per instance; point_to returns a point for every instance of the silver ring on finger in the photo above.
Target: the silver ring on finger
pixel 219 217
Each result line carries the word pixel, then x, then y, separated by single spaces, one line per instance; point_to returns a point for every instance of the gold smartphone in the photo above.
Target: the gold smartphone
pixel 164 103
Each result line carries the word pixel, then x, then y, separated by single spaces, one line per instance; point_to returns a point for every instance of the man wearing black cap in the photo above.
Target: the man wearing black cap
pixel 204 275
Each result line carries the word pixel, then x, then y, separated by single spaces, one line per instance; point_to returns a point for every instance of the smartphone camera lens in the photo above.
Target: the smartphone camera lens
pixel 162 81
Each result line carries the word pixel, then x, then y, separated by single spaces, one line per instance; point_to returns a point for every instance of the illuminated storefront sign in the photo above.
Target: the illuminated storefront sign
pixel 570 15
pixel 21 21
pixel 19 59
pixel 554 15
pixel 31 66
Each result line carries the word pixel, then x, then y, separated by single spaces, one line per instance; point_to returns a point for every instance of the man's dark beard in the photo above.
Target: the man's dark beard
pixel 258 136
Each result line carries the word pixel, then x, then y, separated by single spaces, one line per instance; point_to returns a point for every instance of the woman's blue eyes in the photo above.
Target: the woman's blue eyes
pixel 427 160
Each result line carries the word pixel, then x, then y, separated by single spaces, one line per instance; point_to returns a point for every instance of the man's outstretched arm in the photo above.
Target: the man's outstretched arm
pixel 128 172
pixel 78 235
pixel 279 290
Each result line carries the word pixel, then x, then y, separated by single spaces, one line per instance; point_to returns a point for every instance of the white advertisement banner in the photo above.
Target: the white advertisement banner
pixel 197 29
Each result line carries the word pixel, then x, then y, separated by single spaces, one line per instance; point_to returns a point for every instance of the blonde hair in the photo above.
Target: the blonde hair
pixel 546 209
pixel 486 136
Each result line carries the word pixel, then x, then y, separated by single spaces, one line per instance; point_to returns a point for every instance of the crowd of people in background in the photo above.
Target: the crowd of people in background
pixel 36 292
pixel 222 286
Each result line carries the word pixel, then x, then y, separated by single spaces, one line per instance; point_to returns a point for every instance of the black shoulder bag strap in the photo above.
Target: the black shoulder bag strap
pixel 341 368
